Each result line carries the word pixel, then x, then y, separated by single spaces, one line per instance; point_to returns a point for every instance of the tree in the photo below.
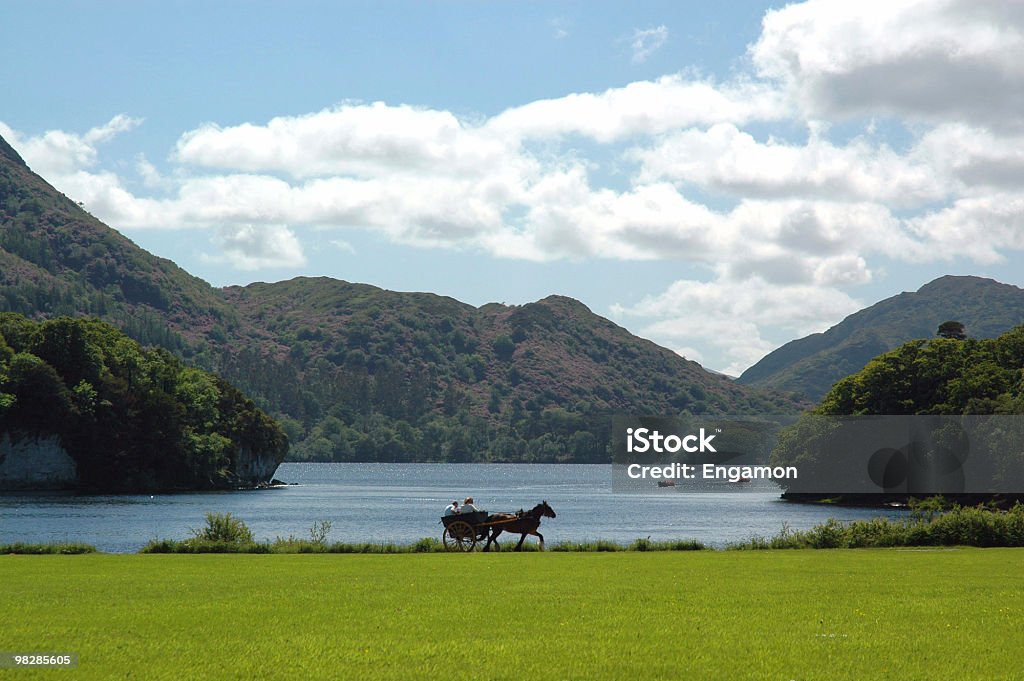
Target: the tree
pixel 40 401
pixel 952 329
pixel 504 347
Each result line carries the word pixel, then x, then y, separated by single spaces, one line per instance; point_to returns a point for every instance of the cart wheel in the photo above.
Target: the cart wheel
pixel 459 536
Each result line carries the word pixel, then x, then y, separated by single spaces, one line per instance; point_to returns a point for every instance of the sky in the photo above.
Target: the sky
pixel 718 177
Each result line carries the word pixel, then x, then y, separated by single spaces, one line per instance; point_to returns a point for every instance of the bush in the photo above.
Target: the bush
pixel 318 533
pixel 224 528
pixel 927 526
pixel 641 545
pixel 427 545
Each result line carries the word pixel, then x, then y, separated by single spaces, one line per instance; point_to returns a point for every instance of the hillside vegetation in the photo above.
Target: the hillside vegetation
pixel 811 365
pixel 938 376
pixel 355 372
pixel 131 418
pixel 367 374
pixel 979 380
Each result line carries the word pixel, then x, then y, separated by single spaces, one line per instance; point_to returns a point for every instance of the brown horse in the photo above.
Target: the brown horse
pixel 524 522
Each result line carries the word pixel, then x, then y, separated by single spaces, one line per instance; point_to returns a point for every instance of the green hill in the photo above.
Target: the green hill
pixel 355 372
pixel 811 365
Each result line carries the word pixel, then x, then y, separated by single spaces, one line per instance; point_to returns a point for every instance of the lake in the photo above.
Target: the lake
pixel 403 502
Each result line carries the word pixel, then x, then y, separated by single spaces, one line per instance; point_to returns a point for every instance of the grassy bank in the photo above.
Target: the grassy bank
pixel 907 614
pixel 425 545
pixel 22 548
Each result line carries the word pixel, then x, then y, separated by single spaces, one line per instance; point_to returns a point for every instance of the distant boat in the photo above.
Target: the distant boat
pixel 666 483
pixel 739 480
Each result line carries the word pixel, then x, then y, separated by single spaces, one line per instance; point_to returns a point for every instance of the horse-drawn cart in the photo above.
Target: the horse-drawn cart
pixel 462 531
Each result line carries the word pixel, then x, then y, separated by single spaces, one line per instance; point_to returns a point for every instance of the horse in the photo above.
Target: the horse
pixel 524 522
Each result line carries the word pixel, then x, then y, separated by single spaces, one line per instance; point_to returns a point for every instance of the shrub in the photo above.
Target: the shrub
pixel 318 533
pixel 641 545
pixel 928 525
pixel 224 528
pixel 427 545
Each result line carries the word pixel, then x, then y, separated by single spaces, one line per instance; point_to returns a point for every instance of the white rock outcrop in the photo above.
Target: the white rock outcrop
pixel 37 463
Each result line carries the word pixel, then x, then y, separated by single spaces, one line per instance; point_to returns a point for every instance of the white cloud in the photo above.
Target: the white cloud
pixel 560 28
pixel 645 42
pixel 354 140
pixel 642 108
pixel 343 246
pixel 115 126
pixel 931 60
pixel 56 152
pixel 724 159
pixel 254 247
pixel 709 312
pixel 982 229
pixel 151 177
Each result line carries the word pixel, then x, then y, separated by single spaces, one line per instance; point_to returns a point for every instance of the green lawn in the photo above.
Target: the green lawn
pixel 852 614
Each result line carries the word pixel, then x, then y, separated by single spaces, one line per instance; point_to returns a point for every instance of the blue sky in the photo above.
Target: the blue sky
pixel 718 177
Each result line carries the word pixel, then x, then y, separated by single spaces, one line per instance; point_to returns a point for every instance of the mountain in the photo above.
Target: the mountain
pixel 355 364
pixel 811 365
pixel 354 372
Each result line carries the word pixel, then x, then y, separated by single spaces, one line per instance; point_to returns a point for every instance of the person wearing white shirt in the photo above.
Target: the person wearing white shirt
pixel 452 508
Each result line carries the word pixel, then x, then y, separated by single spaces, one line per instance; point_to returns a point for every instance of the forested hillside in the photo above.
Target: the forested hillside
pixel 131 418
pixel 939 376
pixel 370 374
pixel 55 258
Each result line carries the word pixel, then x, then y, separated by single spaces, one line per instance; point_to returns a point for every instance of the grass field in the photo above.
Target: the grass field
pixel 849 614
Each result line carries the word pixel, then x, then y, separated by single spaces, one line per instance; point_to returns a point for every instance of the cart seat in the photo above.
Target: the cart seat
pixel 471 518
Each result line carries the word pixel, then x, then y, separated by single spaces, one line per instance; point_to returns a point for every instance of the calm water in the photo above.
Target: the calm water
pixel 402 502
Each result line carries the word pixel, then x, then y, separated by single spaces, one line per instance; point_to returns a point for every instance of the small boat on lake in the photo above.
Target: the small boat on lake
pixel 666 483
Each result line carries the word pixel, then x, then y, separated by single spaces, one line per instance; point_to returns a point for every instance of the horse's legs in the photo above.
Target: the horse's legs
pixel 522 538
pixel 493 537
pixel 541 537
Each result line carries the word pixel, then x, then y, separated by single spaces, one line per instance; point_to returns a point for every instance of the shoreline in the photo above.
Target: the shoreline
pixel 1003 502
